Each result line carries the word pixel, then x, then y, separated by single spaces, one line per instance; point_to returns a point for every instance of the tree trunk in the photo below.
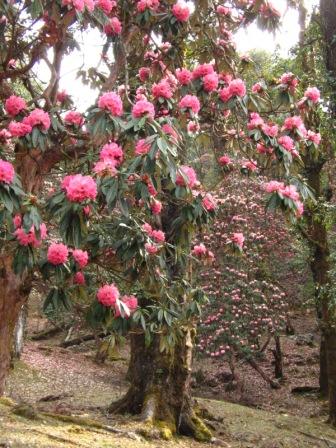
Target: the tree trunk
pixel 14 292
pixel 19 332
pixel 331 366
pixel 160 388
pixel 323 379
pixel 278 359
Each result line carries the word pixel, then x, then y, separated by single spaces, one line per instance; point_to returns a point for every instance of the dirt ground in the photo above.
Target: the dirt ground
pixel 55 382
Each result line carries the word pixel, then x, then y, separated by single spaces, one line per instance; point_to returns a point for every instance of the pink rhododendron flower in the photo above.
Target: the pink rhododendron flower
pixel 295 122
pixel 131 302
pixel 19 129
pixel 313 94
pixel 210 82
pixel 79 5
pixel 142 5
pixel 142 108
pixel 250 165
pixel 202 70
pixel 66 180
pixel 142 147
pixel 147 228
pixel 106 5
pixel 237 88
pixel 156 207
pixel 238 239
pixel 181 11
pixel 270 129
pixel 62 96
pixel 300 208
pixel 17 221
pixel 108 295
pixel 151 248
pixel 158 236
pixel 273 185
pixel 183 76
pixel 188 178
pixel 113 27
pixel 199 250
pixel 14 105
pixel 225 94
pixel 38 118
pixel 257 88
pixel 144 73
pixel 291 192
pixel 57 254
pixel 81 257
pixel 106 166
pixel 224 160
pixel 223 10
pixel 25 239
pixel 90 5
pixel 74 118
pixel 5 135
pixel 79 278
pixel 289 80
pixel 287 142
pixel 112 152
pixel 193 127
pixel 7 172
pixel 167 129
pixel 209 202
pixel 162 89
pixel 111 101
pixel 314 137
pixel 190 102
pixel 81 188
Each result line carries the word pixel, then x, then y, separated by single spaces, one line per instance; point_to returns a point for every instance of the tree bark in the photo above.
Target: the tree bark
pixel 160 388
pixel 278 359
pixel 14 292
pixel 19 332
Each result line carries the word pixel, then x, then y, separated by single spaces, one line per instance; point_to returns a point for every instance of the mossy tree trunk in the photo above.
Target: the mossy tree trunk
pixel 160 387
pixel 14 292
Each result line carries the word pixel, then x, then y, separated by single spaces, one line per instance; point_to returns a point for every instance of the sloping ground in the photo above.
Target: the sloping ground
pixel 239 427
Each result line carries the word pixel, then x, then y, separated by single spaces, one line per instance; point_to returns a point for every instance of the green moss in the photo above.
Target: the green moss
pixel 167 429
pixel 201 432
pixel 6 401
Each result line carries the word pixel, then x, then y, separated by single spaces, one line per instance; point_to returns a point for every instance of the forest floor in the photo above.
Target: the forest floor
pixel 56 392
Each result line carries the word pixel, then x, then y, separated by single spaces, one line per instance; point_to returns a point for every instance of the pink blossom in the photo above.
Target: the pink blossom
pixel 111 101
pixel 147 228
pixel 81 257
pixel 237 88
pixel 62 96
pixel 112 152
pixel 17 221
pixel 314 137
pixel 224 160
pixel 209 202
pixel 108 295
pixel 158 236
pixel 238 239
pixel 142 147
pixel 225 94
pixel 167 129
pixel 186 176
pixel 144 73
pixel 66 180
pixel 19 129
pixel 14 105
pixel 273 185
pixel 79 278
pixel 142 108
pixel 131 302
pixel 7 172
pixel 38 118
pixel 25 239
pixel 289 79
pixel 193 127
pixel 223 10
pixel 113 27
pixel 299 208
pixel 313 94
pixel 5 135
pixel 156 207
pixel 250 165
pixel 90 5
pixel 142 5
pixel 162 90
pixel 74 118
pixel 287 143
pixel 183 76
pixel 106 166
pixel 255 121
pixel 291 192
pixel 257 88
pixel 202 70
pixel 77 4
pixel 151 248
pixel 190 102
pixel 81 188
pixel 181 11
pixel 270 129
pixel 199 250
pixel 57 253
pixel 210 82
pixel 295 122
pixel 106 5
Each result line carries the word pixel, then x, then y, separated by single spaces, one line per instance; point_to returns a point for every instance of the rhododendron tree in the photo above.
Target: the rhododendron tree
pixel 108 185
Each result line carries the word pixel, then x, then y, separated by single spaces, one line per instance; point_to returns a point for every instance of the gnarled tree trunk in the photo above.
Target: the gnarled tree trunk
pixel 160 387
pixel 14 292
